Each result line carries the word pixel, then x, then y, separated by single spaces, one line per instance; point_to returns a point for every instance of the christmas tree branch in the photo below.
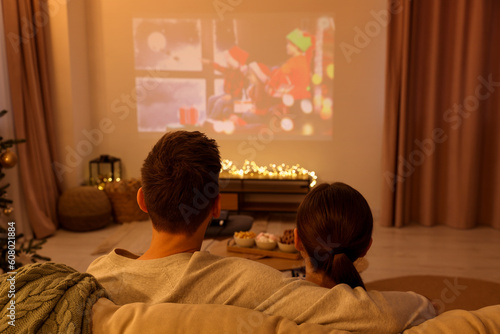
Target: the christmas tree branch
pixel 11 142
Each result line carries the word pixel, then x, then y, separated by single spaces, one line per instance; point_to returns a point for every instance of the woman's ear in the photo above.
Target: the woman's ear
pixel 140 200
pixel 297 241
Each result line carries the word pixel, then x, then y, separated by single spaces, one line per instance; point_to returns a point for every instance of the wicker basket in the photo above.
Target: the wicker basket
pixel 84 209
pixel 123 197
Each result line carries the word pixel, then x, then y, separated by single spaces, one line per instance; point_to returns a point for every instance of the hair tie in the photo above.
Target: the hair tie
pixel 336 250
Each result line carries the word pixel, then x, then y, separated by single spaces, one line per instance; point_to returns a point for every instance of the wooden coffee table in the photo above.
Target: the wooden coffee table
pixel 220 249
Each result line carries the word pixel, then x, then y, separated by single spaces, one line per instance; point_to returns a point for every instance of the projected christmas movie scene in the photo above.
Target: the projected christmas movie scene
pixel 236 76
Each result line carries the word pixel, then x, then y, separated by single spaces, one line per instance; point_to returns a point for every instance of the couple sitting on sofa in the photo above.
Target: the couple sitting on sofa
pixel 334 226
pixel 174 287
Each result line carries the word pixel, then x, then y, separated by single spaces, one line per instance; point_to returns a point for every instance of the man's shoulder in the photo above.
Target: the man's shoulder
pixel 115 257
pixel 123 260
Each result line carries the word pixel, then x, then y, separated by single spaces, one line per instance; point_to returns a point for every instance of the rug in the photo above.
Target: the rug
pixel 448 293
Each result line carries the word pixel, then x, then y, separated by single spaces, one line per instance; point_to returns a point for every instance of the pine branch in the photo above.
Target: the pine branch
pixel 5 201
pixel 40 257
pixel 11 142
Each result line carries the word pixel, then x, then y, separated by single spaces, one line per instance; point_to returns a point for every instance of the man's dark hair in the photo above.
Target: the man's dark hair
pixel 180 181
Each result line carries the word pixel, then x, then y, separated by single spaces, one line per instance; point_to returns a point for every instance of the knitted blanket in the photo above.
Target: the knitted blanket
pixel 48 298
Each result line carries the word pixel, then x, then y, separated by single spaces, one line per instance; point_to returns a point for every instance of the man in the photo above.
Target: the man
pixel 181 194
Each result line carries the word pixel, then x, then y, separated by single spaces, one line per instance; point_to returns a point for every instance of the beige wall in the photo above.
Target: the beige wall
pixel 106 112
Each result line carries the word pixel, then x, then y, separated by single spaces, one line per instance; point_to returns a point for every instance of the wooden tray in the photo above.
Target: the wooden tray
pixel 232 247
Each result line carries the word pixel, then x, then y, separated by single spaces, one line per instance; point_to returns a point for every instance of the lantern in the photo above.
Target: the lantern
pixel 104 169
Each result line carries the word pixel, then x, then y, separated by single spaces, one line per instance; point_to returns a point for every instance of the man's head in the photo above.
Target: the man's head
pixel 180 181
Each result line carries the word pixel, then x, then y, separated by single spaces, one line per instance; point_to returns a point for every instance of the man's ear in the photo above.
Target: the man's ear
pixel 296 240
pixel 140 200
pixel 217 207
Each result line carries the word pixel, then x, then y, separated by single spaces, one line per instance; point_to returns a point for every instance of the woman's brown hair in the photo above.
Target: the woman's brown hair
pixel 335 223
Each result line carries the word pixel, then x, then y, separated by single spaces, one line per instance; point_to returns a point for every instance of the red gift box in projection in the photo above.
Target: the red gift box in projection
pixel 188 116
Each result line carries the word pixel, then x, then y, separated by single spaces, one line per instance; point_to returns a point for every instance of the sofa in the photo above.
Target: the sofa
pixel 55 298
pixel 109 318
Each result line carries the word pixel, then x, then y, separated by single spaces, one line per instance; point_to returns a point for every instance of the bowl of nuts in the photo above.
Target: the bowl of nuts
pixel 286 242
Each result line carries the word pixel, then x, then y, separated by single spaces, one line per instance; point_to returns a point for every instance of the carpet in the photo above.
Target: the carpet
pixel 448 293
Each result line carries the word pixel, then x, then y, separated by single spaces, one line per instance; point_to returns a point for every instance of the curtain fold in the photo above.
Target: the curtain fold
pixel 441 158
pixel 396 96
pixel 25 22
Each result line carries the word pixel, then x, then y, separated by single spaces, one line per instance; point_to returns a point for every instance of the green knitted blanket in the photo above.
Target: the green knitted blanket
pixel 48 298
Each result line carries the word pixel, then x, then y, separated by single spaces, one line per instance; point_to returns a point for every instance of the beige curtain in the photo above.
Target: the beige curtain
pixel 441 160
pixel 25 22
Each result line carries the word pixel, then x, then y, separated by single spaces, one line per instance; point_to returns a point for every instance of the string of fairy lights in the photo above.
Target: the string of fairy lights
pixel 250 169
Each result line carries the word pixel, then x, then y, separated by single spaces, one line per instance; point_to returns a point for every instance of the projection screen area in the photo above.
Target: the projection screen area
pixel 236 76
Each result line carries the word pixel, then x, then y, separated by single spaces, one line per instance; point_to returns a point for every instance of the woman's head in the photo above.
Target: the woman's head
pixel 334 225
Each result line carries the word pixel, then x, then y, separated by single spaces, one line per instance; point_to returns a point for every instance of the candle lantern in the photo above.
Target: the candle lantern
pixel 104 169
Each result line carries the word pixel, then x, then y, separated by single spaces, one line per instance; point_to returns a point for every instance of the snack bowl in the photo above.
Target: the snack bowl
pixel 267 245
pixel 244 238
pixel 266 241
pixel 244 242
pixel 287 248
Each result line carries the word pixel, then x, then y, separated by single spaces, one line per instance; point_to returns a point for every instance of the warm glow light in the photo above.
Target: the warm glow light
pixel 287 124
pixel 318 101
pixel 316 79
pixel 326 112
pixel 218 126
pixel 306 106
pixel 228 127
pixel 288 100
pixel 327 102
pixel 330 71
pixel 307 129
pixel 251 170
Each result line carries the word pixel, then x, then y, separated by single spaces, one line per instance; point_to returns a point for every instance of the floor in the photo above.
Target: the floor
pixel 395 251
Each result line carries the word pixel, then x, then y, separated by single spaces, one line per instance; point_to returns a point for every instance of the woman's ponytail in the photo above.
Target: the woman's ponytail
pixel 344 271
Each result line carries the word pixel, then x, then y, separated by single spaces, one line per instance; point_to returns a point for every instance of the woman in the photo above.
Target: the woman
pixel 334 228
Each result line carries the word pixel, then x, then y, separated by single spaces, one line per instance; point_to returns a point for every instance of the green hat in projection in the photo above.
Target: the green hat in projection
pixel 298 38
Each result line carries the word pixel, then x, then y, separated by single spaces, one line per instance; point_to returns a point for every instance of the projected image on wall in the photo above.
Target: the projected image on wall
pixel 236 76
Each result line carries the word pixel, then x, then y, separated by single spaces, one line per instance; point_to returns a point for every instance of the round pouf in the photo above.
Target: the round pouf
pixel 84 209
